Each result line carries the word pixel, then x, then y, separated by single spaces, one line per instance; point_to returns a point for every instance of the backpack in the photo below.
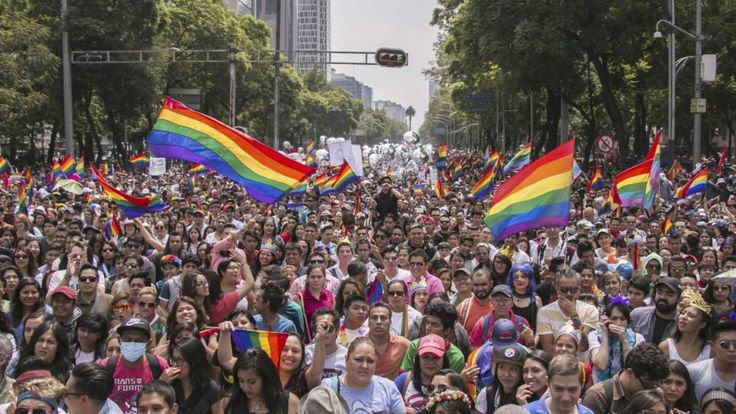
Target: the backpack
pixel 152 364
pixel 487 326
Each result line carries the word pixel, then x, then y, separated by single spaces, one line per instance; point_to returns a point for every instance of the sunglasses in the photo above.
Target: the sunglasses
pixel 21 256
pixel 568 290
pixel 107 250
pixel 150 305
pixel 726 345
pixel 432 388
pixel 316 262
pixel 395 293
pixel 88 279
pixel 32 410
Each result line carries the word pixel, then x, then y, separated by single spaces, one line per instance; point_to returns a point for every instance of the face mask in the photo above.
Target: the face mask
pixel 132 351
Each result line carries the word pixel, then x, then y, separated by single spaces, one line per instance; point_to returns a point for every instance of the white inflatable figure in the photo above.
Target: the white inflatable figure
pixel 287 146
pixel 322 140
pixel 374 160
pixel 411 137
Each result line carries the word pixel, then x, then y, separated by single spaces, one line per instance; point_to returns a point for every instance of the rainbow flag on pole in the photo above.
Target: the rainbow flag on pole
pixel 439 189
pixel 441 161
pixel 666 225
pixel 654 155
pixel 4 165
pixel 22 199
pixel 271 343
pixel 112 228
pixel 80 166
pixel 67 165
pixel 184 134
pixel 596 180
pixel 632 184
pixel 519 160
pixel 344 177
pixel 132 206
pixel 197 168
pixel 537 196
pixel 697 184
pixel 612 203
pixel 484 186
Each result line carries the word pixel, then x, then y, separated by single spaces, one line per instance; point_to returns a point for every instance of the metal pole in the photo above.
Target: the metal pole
pixel 67 79
pixel 231 55
pixel 276 78
pixel 698 80
pixel 531 115
pixel 671 137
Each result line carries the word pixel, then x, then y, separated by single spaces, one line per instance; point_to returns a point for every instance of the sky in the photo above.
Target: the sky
pixel 367 25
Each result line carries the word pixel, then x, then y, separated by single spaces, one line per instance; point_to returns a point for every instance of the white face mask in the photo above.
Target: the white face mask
pixel 132 351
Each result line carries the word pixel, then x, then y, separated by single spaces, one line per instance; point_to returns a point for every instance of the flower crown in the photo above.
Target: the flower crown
pixel 448 395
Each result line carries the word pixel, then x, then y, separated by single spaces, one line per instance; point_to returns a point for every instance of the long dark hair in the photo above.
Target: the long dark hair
pixel 703 334
pixel 272 394
pixel 200 371
pixel 416 371
pixel 644 400
pixel 189 287
pixel 96 323
pixel 16 312
pixel 61 366
pixel 171 320
pixel 338 297
pixel 688 402
pixel 292 384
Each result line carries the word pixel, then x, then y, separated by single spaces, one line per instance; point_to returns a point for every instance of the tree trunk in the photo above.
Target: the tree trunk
pixel 641 137
pixel 551 124
pixel 612 106
pixel 52 143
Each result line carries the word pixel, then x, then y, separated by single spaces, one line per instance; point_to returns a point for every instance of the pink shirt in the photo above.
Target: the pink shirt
pixel 223 307
pixel 434 285
pixel 127 381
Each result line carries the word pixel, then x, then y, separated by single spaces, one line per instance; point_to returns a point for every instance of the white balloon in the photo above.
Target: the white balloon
pixel 321 154
pixel 287 145
pixel 322 139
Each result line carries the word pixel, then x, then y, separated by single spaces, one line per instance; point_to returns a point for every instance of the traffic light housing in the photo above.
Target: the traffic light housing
pixel 392 58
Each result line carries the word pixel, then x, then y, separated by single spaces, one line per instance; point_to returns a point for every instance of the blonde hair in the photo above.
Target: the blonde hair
pixel 43 387
pixel 148 290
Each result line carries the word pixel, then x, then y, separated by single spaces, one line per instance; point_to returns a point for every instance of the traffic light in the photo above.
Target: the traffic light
pixel 392 58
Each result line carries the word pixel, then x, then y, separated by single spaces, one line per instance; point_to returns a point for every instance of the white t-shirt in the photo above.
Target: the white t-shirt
pixel 398 318
pixel 334 361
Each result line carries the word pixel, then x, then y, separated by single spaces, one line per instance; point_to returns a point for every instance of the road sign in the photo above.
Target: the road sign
pixel 697 106
pixel 392 58
pixel 604 143
pixel 480 102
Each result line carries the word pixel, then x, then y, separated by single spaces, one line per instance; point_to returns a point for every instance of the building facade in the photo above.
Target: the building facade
pixel 313 33
pixel 357 89
pixel 392 109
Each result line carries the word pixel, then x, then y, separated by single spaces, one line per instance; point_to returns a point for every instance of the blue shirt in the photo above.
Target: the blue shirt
pixel 283 324
pixel 540 407
pixel 380 396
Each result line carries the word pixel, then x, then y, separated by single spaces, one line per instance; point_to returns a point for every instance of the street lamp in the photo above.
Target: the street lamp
pixel 698 106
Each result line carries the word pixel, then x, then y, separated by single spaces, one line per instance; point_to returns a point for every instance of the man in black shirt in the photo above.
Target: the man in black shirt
pixel 387 201
pixel 656 322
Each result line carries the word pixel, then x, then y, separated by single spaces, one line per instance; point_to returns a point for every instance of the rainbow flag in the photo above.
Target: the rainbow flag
pixel 596 180
pixel 271 343
pixel 310 162
pixel 104 169
pixel 132 206
pixel 722 160
pixel 519 160
pixel 697 184
pixel 457 171
pixel 80 166
pixel 537 196
pixel 139 160
pixel 666 225
pixel 652 188
pixel 388 171
pixel 4 165
pixel 55 174
pixel 184 134
pixel 344 177
pixel 22 199
pixel 484 186
pixel 299 190
pixel 197 168
pixel 28 178
pixel 494 160
pixel 439 189
pixel 674 170
pixel 632 184
pixel 112 228
pixel 576 170
pixel 612 203
pixel 441 161
pixel 67 165
pixel 309 147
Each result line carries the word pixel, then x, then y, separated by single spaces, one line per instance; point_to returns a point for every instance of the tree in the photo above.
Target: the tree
pixel 410 112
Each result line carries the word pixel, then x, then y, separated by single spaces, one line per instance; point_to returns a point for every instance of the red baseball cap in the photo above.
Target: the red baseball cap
pixel 432 344
pixel 66 291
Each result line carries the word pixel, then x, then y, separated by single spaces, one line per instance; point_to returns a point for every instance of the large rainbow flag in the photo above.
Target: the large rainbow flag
pixel 139 160
pixel 271 343
pixel 184 134
pixel 519 160
pixel 697 184
pixel 632 184
pixel 537 196
pixel 132 206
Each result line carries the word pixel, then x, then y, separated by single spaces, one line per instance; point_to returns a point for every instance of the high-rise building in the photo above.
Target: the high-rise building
pixel 266 11
pixel 240 6
pixel 313 33
pixel 434 89
pixel 392 109
pixel 357 89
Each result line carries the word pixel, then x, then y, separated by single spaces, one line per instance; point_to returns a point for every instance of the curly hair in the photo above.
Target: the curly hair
pixel 647 361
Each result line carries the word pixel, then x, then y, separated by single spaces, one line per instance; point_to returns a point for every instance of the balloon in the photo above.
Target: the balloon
pixel 321 155
pixel 287 145
pixel 322 139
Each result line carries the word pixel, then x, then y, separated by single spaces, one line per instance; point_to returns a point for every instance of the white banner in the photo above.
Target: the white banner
pixel 157 166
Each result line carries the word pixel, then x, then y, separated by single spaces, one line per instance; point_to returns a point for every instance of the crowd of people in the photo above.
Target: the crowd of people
pixel 403 303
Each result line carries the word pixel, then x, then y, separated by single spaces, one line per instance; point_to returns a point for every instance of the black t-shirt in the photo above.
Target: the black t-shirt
pixel 200 401
pixel 386 203
pixel 659 327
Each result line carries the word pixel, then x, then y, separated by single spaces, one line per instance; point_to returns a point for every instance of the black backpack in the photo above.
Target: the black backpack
pixel 152 363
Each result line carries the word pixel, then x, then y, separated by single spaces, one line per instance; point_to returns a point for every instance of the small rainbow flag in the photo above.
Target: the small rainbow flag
pixel 22 199
pixel 80 166
pixel 309 147
pixel 139 160
pixel 596 180
pixel 197 168
pixel 537 196
pixel 519 160
pixel 132 206
pixel 484 186
pixel 666 225
pixel 112 228
pixel 457 171
pixel 55 174
pixel 439 189
pixel 27 177
pixel 441 161
pixel 612 203
pixel 67 165
pixel 183 134
pixel 697 184
pixel 654 155
pixel 271 343
pixel 388 171
pixel 674 170
pixel 104 168
pixel 4 165
pixel 344 177
pixel 632 184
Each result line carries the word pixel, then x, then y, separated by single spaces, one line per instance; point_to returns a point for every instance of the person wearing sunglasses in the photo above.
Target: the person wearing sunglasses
pixel 146 309
pixel 90 298
pixel 719 371
pixel 87 389
pixel 30 403
pixel 566 310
